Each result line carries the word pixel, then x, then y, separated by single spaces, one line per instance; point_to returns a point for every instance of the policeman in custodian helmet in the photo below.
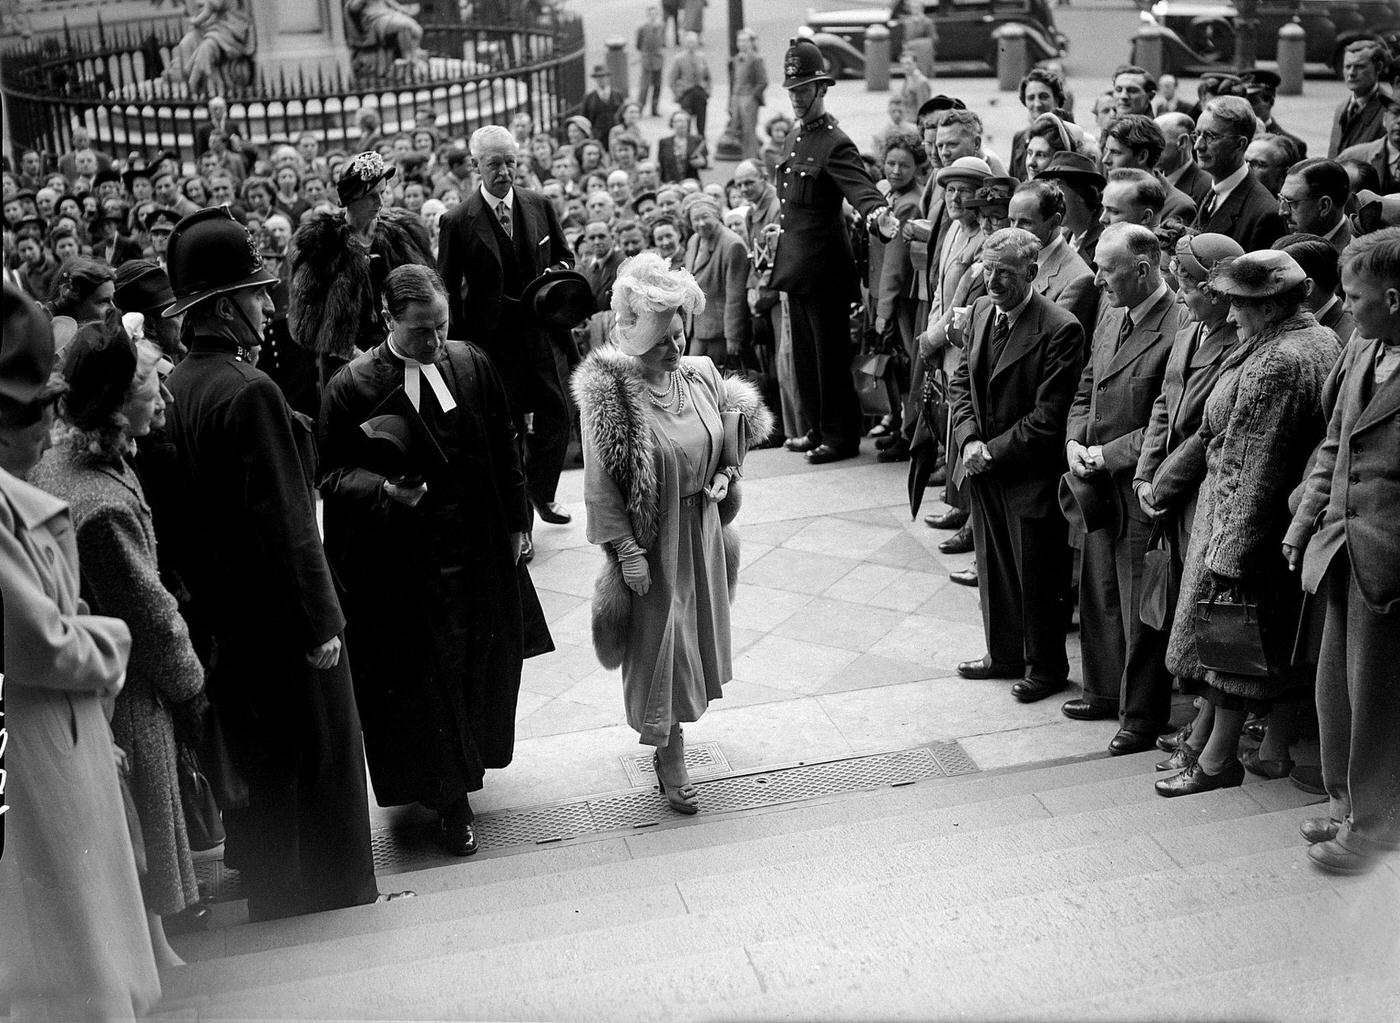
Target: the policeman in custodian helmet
pixel 251 557
pixel 814 263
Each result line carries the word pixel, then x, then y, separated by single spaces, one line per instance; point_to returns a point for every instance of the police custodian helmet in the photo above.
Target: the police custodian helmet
pixel 804 63
pixel 212 254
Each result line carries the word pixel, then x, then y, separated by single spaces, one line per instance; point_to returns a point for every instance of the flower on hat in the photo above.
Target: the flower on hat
pixel 367 166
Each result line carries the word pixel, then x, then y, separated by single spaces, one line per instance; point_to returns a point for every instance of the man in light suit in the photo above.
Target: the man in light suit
pixel 1061 276
pixel 1313 200
pixel 1125 672
pixel 1382 153
pixel 1009 398
pixel 1238 205
pixel 490 247
pixel 1344 541
pixel 1358 118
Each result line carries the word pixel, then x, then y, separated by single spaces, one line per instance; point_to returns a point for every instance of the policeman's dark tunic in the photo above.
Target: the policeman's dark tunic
pixel 440 616
pixel 816 267
pixel 258 579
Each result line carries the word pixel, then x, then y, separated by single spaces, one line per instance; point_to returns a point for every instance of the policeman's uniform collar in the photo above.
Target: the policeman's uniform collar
pixel 817 121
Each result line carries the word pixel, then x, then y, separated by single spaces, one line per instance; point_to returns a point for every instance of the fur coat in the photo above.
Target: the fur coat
pixel 616 421
pixel 1260 426
pixel 336 285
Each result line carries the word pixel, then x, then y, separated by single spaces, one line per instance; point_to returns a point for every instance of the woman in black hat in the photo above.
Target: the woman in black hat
pixel 1260 425
pixel 114 395
pixel 339 262
pixel 72 944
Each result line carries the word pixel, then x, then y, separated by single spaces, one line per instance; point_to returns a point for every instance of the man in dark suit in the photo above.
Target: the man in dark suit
pixel 602 103
pixel 1323 267
pixel 1178 163
pixel 814 263
pixel 1382 153
pixel 1313 200
pixel 1009 400
pixel 490 247
pixel 1358 118
pixel 1125 670
pixel 1238 205
pixel 1261 89
pixel 1343 540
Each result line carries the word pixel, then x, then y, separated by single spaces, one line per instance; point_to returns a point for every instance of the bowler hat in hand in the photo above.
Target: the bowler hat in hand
pixel 1091 503
pixel 557 300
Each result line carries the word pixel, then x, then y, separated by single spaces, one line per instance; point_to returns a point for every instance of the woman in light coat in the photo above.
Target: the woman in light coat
pixel 73 942
pixel 659 495
pixel 114 397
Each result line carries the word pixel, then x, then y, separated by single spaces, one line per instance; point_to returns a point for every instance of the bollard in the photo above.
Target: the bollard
pixel 1150 50
pixel 617 65
pixel 877 58
pixel 1291 46
pixel 1013 56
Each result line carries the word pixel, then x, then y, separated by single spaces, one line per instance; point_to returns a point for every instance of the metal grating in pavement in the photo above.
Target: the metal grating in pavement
pixel 702 760
pixel 413 846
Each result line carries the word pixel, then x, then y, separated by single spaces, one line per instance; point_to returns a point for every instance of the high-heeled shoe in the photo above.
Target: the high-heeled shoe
pixel 677 797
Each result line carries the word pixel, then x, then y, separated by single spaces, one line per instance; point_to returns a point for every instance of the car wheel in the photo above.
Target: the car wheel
pixel 1212 38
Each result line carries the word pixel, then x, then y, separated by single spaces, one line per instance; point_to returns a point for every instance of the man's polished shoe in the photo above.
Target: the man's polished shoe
pixel 983 668
pixel 527 549
pixel 801 444
pixel 896 452
pixel 1083 710
pixel 554 513
pixel 1128 741
pixel 1029 690
pixel 1335 858
pixel 824 453
pixel 455 830
pixel 1319 829
pixel 959 543
pixel 1197 779
pixel 1183 758
pixel 953 518
pixel 1173 741
pixel 964 577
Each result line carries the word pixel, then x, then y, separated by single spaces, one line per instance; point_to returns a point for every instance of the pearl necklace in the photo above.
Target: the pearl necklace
pixel 673 395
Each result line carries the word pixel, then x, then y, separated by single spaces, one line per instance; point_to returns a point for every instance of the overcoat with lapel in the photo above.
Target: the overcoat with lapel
pixel 1019 406
pixel 1120 384
pixel 1066 280
pixel 1249 215
pixel 1173 457
pixel 1353 489
pixel 1367 124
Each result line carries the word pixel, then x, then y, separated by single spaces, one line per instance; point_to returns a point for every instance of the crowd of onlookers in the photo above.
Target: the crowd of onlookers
pixel 1140 358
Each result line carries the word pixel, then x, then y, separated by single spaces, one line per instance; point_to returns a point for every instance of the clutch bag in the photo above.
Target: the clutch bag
pixel 736 439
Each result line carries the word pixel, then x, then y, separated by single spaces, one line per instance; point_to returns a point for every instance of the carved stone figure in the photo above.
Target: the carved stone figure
pixel 215 56
pixel 381 34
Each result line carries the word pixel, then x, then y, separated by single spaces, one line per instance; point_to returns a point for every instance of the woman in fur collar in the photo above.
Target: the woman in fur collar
pixel 659 502
pixel 339 262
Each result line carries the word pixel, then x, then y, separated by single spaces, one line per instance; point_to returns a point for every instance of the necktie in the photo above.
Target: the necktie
pixel 503 215
pixel 1123 332
pixel 1001 330
pixel 1210 208
pixel 413 374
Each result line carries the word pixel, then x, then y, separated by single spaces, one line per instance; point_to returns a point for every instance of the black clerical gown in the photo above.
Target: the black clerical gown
pixel 438 613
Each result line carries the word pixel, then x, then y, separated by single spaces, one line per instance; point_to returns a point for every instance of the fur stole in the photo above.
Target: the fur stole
pixel 334 294
pixel 612 402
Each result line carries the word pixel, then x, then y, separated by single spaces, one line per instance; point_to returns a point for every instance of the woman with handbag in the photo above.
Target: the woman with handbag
pixel 663 442
pixel 114 397
pixel 1235 624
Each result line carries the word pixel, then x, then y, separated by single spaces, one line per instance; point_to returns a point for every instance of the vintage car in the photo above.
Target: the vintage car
pixel 966 44
pixel 1206 28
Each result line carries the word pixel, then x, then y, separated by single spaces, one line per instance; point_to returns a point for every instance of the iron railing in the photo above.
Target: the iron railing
pixel 110 81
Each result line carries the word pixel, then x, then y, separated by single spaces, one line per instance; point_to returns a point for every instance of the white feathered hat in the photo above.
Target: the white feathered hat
pixel 645 297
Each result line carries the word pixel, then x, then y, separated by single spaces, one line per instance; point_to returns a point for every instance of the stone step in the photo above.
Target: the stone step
pixel 609 870
pixel 565 933
pixel 535 981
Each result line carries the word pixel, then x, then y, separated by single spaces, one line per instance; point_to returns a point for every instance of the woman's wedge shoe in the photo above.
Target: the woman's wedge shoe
pixel 682 798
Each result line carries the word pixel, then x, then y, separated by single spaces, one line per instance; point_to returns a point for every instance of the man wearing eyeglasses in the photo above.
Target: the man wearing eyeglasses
pixel 1238 206
pixel 1313 200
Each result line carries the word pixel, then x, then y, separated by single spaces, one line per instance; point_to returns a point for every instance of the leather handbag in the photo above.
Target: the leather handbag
pixel 1161 579
pixel 203 822
pixel 868 371
pixel 1230 635
pixel 736 439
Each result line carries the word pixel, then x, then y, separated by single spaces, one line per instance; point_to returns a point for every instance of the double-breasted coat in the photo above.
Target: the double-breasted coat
pixel 439 615
pixel 250 553
pixel 1260 424
pixel 73 937
pixel 121 578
